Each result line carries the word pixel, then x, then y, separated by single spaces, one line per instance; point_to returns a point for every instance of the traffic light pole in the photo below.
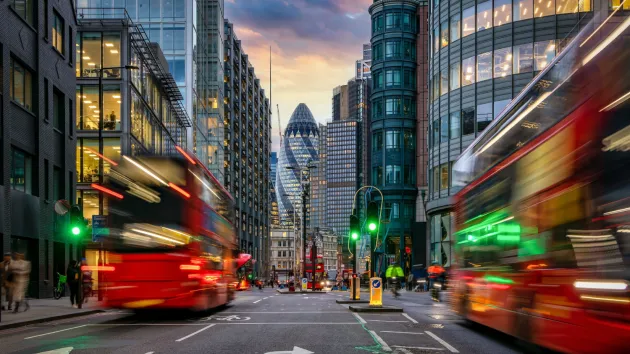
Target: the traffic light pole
pixel 378 227
pixel 304 195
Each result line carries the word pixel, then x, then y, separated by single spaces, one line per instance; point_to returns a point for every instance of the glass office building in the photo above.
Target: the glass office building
pixel 482 54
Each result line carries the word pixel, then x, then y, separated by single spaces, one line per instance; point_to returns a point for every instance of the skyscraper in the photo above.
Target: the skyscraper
pixel 319 183
pixel 299 149
pixel 397 50
pixel 363 64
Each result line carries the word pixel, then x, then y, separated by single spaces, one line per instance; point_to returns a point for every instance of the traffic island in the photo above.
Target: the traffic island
pixel 348 301
pixel 367 308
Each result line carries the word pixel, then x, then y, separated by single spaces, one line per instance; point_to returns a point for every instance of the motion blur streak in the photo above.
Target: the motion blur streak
pixel 157 236
pixel 145 170
pixel 618 31
pixel 106 190
pixel 204 184
pixel 601 285
pixel 603 23
pixel 181 151
pixel 605 299
pixel 616 102
pixel 181 191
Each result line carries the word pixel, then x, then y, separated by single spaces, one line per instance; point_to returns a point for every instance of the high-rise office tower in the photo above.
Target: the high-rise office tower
pixel 319 183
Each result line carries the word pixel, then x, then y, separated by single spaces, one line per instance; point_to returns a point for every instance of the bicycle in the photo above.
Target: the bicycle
pixel 60 287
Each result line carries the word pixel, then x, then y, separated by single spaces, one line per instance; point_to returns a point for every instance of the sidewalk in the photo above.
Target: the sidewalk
pixel 46 310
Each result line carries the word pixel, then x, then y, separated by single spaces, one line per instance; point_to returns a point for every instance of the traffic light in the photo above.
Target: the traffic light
pixel 372 217
pixel 77 222
pixel 355 228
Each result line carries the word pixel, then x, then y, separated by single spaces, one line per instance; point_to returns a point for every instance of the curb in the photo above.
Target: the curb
pixel 301 292
pixel 375 309
pixel 48 319
pixel 345 302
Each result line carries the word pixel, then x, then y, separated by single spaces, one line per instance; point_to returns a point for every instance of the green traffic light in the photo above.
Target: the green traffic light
pixel 76 230
pixel 372 226
pixel 355 235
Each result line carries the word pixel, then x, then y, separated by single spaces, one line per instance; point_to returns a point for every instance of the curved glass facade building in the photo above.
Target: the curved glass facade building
pixel 300 146
pixel 396 49
pixel 482 54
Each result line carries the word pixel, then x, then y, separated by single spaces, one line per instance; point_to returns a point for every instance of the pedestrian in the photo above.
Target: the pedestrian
pixel 410 282
pixel 5 282
pixel 21 269
pixel 72 278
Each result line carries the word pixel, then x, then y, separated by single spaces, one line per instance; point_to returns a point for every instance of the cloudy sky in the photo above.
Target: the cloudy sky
pixel 314 46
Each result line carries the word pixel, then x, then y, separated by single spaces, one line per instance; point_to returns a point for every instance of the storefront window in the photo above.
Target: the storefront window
pixel 455 74
pixel 544 8
pixel 456 27
pixel 468 71
pixel 523 9
pixel 502 12
pixel 484 16
pixel 523 58
pixel 468 21
pixel 484 66
pixel 544 52
pixel 88 157
pixel 502 62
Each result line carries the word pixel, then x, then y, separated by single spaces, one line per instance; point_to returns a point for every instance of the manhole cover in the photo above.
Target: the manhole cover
pixel 444 317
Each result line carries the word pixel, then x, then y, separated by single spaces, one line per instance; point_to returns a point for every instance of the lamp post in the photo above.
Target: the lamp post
pixel 294 260
pixel 305 179
pixel 102 153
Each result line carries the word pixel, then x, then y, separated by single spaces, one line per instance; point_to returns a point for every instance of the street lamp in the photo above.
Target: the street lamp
pixel 102 153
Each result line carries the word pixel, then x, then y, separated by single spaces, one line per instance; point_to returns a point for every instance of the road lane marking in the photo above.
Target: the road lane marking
pixel 196 332
pixel 258 301
pixel 403 350
pixel 265 298
pixel 409 318
pixel 387 321
pixel 443 342
pixel 148 353
pixel 421 348
pixel 401 332
pixel 361 320
pixel 275 312
pixel 380 341
pixel 288 323
pixel 61 330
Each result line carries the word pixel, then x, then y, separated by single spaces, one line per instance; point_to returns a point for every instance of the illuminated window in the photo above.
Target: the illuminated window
pixel 544 52
pixel 456 27
pixel 21 85
pixel 502 12
pixel 455 74
pixel 57 32
pixel 88 157
pixel 544 7
pixel 444 34
pixel 484 66
pixel 523 9
pixel 503 62
pixel 436 39
pixel 468 71
pixel 444 176
pixel 436 179
pixel 468 21
pixel 586 5
pixel 523 58
pixel 484 15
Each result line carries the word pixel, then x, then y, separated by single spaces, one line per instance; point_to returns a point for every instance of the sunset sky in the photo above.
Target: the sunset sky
pixel 314 46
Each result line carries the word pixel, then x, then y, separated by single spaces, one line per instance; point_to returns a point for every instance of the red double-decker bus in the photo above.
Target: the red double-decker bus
pixel 172 243
pixel 542 247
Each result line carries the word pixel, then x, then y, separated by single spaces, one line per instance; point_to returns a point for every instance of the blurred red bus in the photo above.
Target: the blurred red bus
pixel 172 241
pixel 543 217
pixel 320 281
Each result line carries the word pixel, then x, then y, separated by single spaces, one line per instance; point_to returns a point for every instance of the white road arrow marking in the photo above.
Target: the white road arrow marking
pixel 65 350
pixel 296 350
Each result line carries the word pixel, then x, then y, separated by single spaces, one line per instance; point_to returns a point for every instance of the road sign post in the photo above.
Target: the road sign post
pixel 100 228
pixel 376 292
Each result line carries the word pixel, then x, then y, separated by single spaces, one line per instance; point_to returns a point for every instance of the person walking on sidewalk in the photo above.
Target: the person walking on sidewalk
pixel 410 282
pixel 5 282
pixel 21 269
pixel 72 276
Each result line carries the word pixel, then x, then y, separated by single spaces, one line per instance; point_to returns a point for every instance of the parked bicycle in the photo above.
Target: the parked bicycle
pixel 59 289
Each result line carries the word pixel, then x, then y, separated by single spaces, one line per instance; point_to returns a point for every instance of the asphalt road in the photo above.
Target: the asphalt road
pixel 265 322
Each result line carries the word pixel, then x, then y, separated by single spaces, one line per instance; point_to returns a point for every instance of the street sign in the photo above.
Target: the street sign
pixel 376 292
pixel 376 283
pixel 304 283
pixel 100 228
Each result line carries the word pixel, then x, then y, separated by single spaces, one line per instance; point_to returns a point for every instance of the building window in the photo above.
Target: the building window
pixel 57 184
pixel 21 85
pixel 377 141
pixel 57 32
pixel 377 24
pixel 502 12
pixel 499 106
pixel 484 66
pixel 24 8
pixel 544 52
pixel 436 39
pixel 443 82
pixel 455 74
pixel 395 213
pixel 444 37
pixel 455 126
pixel 392 49
pixel 91 44
pixel 523 9
pixel 410 79
pixel 392 106
pixel 436 180
pixel 523 58
pixel 377 175
pixel 484 16
pixel 21 171
pixel 87 163
pixel 544 7
pixel 436 132
pixel 444 129
pixel 409 22
pixel 377 79
pixel 502 62
pixel 468 119
pixel 468 71
pixel 392 20
pixel 409 107
pixel 436 86
pixel 377 51
pixel 468 21
pixel 456 27
pixel 392 139
pixel 392 77
pixel 614 4
pixel 409 139
pixel 484 116
pixel 409 50
pixel 377 109
pixel 444 176
pixel 58 110
pixel 392 174
pixel 46 180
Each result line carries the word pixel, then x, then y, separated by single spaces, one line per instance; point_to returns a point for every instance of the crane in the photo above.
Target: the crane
pixel 279 127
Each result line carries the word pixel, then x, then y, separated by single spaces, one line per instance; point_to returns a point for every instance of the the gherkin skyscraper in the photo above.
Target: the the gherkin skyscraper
pixel 300 146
